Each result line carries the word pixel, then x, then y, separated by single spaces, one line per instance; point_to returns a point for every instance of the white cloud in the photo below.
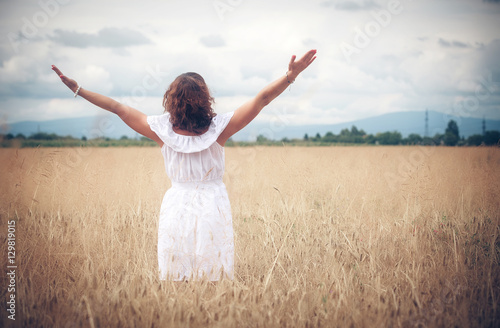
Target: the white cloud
pixel 95 76
pixel 106 37
pixel 430 55
pixel 212 41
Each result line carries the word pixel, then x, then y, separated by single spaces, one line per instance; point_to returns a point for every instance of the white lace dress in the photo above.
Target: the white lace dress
pixel 195 233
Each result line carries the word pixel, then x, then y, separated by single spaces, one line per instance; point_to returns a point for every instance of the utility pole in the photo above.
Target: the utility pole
pixel 484 126
pixel 426 123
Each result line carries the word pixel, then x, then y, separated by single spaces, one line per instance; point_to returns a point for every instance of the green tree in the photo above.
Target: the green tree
pixel 356 132
pixel 370 139
pixel 428 141
pixel 357 135
pixel 450 139
pixel 389 138
pixel 414 139
pixel 44 136
pixel 261 138
pixel 329 137
pixel 491 138
pixel 451 134
pixel 437 139
pixel 475 140
pixel 345 132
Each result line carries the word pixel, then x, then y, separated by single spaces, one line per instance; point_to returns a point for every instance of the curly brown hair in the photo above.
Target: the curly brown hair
pixel 189 103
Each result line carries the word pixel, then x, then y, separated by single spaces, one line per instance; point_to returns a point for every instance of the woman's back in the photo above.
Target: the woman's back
pixel 191 158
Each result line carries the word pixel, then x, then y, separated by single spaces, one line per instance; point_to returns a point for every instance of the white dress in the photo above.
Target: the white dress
pixel 195 232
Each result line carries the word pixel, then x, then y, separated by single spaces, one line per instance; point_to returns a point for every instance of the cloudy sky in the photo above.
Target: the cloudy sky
pixel 374 56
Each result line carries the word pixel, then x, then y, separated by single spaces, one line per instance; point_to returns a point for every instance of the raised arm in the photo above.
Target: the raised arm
pixel 131 116
pixel 248 111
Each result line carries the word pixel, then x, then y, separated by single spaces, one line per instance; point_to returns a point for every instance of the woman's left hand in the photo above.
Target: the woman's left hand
pixel 296 67
pixel 70 83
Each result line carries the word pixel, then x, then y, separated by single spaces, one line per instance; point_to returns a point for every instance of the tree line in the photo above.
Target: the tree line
pixel 451 137
pixel 43 139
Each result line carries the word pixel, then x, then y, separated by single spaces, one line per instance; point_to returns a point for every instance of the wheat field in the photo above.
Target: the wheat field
pixel 324 237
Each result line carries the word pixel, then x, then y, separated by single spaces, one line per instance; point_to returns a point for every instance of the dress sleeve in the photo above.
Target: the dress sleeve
pixel 221 121
pixel 160 124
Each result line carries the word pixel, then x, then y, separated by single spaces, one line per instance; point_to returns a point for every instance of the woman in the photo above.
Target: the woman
pixel 195 234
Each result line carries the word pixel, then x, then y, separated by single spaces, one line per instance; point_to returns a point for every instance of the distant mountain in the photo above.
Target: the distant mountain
pixel 107 125
pixel 404 122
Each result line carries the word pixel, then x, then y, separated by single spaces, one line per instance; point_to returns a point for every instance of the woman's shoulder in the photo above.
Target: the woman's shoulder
pixel 163 119
pixel 222 118
pixel 186 142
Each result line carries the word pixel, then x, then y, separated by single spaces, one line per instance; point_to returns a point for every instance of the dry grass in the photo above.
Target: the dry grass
pixel 335 237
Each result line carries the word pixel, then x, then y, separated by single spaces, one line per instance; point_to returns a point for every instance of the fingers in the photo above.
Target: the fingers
pixel 308 55
pixel 311 60
pixel 292 60
pixel 58 72
pixel 64 79
pixel 306 59
pixel 312 52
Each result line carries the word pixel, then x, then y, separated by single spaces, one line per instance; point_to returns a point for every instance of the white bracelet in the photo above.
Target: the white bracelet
pixel 77 90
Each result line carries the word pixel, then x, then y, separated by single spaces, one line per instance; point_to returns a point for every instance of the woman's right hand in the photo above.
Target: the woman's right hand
pixel 296 67
pixel 70 83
